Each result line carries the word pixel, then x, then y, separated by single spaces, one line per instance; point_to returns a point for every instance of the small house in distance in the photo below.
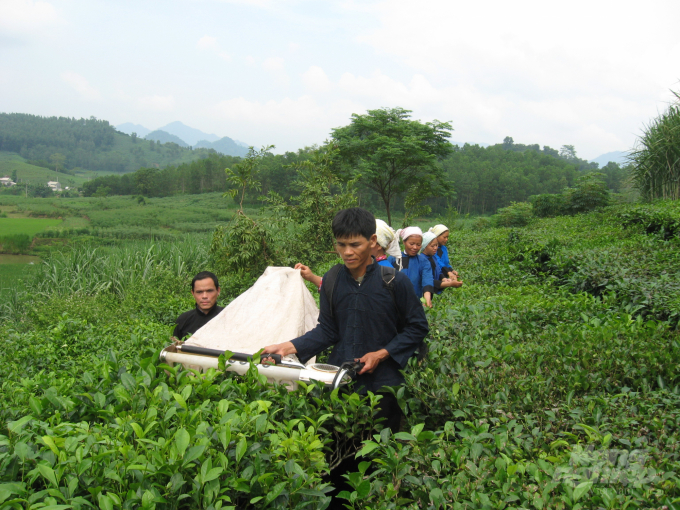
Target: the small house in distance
pixel 55 185
pixel 6 181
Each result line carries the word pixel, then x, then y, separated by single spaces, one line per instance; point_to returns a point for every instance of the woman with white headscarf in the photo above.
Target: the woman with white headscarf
pixel 388 243
pixel 429 249
pixel 415 265
pixel 442 255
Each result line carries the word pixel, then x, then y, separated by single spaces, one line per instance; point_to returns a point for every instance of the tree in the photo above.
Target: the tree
pixel 389 153
pixel 508 143
pixel 102 192
pixel 145 181
pixel 14 176
pixel 321 195
pixel 244 176
pixel 58 161
pixel 656 157
pixel 134 137
pixel 590 192
pixel 568 152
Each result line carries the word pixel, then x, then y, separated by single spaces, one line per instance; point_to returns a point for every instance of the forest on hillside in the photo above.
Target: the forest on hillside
pixel 483 179
pixel 65 144
pixel 472 179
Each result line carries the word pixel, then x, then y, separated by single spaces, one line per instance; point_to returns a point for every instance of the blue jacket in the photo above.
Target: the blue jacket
pixel 436 273
pixel 365 320
pixel 442 257
pixel 385 262
pixel 418 270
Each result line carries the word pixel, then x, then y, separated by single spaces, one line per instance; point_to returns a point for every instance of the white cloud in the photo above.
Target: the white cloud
pixel 80 85
pixel 276 67
pixel 210 44
pixel 207 43
pixel 315 80
pixel 287 112
pixel 273 64
pixel 524 67
pixel 157 103
pixel 18 16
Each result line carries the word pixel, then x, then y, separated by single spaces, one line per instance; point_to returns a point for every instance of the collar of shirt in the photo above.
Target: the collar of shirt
pixel 208 312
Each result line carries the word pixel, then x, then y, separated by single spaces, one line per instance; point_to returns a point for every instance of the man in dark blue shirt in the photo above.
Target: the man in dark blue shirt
pixel 366 323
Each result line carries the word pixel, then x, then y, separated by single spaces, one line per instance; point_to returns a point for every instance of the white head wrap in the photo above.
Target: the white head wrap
pixel 428 237
pixel 407 232
pixel 438 230
pixel 387 238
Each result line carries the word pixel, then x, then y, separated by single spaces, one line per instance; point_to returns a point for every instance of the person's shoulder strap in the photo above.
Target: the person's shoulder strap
pixel 330 279
pixel 388 275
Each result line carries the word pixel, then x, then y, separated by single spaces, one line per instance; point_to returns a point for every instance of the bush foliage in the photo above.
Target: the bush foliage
pixel 551 382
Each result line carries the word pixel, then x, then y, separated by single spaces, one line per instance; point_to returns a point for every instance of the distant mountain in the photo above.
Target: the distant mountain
pixel 129 128
pixel 225 145
pixel 616 156
pixel 188 134
pixel 165 137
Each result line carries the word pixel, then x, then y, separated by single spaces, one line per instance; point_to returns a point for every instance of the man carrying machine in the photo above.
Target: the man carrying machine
pixel 368 314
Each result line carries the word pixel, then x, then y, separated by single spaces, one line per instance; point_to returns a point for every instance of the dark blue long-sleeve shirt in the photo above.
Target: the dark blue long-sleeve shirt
pixel 365 320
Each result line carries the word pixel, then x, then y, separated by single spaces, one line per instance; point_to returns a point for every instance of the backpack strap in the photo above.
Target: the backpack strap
pixel 328 284
pixel 388 275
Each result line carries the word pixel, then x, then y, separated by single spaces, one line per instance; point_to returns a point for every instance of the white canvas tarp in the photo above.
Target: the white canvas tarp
pixel 277 308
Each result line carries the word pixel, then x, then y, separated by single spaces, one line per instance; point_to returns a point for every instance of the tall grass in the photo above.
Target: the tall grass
pixel 656 158
pixel 91 271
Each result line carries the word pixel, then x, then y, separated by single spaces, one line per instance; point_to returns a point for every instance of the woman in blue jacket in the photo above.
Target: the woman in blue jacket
pixel 429 249
pixel 442 255
pixel 415 265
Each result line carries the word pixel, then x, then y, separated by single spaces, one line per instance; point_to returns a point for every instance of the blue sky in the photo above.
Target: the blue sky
pixel 584 73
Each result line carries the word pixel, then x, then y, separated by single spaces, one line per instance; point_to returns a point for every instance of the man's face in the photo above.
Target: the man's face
pixel 205 294
pixel 355 251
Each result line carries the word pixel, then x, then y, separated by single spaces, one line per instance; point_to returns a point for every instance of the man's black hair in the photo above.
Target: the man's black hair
pixel 354 221
pixel 202 276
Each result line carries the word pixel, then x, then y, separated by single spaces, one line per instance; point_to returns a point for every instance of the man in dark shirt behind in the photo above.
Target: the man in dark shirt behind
pixel 205 288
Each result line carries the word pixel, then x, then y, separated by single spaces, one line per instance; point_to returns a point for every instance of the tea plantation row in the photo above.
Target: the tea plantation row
pixel 552 381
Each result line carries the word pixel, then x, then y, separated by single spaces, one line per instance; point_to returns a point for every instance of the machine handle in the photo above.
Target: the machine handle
pixel 348 367
pixel 237 356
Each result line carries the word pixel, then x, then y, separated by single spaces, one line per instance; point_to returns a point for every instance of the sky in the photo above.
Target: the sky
pixel 286 72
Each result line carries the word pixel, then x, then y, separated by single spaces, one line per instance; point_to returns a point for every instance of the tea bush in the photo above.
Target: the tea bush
pixel 517 214
pixel 552 382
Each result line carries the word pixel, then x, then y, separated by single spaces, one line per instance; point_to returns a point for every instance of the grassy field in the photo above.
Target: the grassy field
pixel 28 226
pixel 127 217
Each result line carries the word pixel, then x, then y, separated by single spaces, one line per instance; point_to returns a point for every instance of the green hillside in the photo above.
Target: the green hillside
pixel 91 144
pixel 32 174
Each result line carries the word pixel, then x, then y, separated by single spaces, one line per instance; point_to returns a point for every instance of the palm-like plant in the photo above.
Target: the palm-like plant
pixel 656 157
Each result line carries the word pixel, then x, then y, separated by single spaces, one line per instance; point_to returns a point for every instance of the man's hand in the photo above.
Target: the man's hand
pixel 308 275
pixel 371 360
pixel 428 299
pixel 283 349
